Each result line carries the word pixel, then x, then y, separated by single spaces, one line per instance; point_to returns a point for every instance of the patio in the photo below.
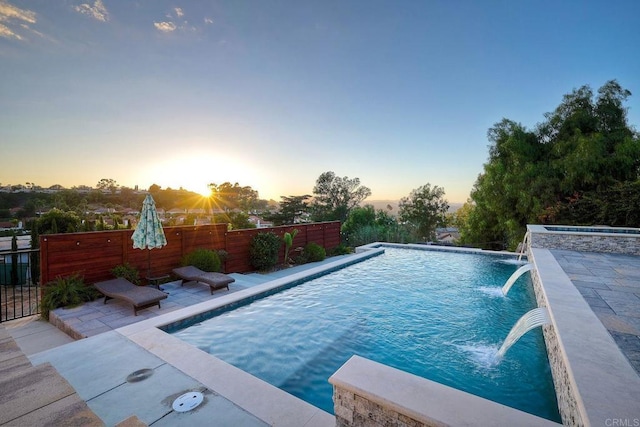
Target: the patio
pixel 95 317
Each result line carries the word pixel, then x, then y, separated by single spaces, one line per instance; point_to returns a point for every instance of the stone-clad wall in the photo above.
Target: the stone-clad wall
pixel 565 394
pixel 587 242
pixel 352 410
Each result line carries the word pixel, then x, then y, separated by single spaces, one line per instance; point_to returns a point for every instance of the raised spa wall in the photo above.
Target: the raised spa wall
pixel 585 239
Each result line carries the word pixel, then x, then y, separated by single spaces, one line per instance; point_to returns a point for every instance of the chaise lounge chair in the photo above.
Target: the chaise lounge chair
pixel 139 296
pixel 194 274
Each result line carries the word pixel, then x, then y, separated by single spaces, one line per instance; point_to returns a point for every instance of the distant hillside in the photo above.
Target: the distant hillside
pixel 384 204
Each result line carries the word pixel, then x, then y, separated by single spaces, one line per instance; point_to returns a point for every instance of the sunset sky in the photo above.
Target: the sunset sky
pixel 272 93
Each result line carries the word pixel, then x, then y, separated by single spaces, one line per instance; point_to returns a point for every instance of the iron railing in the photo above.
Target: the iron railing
pixel 19 288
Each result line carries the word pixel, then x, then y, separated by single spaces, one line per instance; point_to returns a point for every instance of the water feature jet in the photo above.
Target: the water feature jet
pixel 516 274
pixel 523 248
pixel 532 319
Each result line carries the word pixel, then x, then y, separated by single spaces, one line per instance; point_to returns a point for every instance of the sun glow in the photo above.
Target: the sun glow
pixel 196 171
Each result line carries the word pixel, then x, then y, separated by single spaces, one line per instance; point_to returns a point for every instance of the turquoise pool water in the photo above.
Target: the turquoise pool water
pixel 437 315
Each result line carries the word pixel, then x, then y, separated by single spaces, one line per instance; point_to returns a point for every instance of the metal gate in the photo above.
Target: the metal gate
pixel 19 289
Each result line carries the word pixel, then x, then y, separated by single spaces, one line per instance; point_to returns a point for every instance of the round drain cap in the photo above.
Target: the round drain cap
pixel 139 375
pixel 188 401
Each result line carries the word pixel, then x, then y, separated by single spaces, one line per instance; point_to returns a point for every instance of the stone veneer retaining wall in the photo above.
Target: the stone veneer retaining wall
pixel 352 410
pixel 584 240
pixel 565 393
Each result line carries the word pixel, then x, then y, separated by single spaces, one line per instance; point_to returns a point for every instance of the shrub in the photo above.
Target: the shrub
pixel 223 255
pixel 204 259
pixel 65 292
pixel 313 252
pixel 263 251
pixel 341 249
pixel 127 271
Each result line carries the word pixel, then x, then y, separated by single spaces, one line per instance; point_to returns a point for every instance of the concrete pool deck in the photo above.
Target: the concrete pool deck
pixel 609 283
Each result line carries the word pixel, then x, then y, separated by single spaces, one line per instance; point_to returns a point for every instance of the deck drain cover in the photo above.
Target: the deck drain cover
pixel 188 401
pixel 139 375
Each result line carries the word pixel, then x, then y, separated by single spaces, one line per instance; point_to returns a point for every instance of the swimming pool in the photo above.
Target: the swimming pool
pixel 436 315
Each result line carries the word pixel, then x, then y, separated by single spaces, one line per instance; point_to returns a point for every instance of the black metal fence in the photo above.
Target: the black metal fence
pixel 19 288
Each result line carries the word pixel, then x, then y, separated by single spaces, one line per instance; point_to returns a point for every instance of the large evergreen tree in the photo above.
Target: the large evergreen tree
pixel 584 149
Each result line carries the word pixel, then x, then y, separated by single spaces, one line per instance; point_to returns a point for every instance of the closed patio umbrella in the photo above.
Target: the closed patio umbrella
pixel 149 233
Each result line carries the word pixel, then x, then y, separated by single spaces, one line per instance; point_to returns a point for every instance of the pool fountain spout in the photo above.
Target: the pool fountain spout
pixel 532 319
pixel 516 274
pixel 523 248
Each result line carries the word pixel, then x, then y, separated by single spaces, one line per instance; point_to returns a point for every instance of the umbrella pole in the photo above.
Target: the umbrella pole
pixel 148 263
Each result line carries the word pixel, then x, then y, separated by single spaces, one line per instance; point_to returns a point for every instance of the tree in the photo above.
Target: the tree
pixel 235 220
pixel 56 221
pixel 292 210
pixel 228 196
pixel 556 172
pixel 107 184
pixel 425 209
pixel 334 197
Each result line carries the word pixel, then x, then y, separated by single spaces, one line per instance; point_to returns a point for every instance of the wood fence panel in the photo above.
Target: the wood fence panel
pixel 315 234
pixel 94 254
pixel 331 235
pixel 237 246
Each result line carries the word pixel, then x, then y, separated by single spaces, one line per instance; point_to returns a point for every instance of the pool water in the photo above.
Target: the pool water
pixel 437 315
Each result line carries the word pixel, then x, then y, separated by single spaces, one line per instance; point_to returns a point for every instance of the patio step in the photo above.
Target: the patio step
pixel 37 395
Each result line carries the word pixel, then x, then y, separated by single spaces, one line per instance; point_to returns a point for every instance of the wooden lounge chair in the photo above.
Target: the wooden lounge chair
pixel 194 274
pixel 139 296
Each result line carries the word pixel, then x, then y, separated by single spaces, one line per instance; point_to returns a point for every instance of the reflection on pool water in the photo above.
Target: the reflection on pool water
pixel 429 313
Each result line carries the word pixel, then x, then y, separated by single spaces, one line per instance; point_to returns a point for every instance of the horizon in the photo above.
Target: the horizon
pixel 183 94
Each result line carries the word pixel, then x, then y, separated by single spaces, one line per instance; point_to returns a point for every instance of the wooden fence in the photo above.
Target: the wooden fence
pixel 94 254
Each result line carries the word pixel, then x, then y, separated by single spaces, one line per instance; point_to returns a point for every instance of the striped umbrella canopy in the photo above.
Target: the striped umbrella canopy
pixel 149 233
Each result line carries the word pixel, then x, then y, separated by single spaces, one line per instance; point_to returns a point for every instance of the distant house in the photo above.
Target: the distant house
pixel 447 235
pixel 176 211
pixel 6 225
pixel 259 222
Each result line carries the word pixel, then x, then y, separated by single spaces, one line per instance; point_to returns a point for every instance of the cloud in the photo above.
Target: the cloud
pixel 176 22
pixel 97 11
pixel 7 33
pixel 11 15
pixel 165 27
